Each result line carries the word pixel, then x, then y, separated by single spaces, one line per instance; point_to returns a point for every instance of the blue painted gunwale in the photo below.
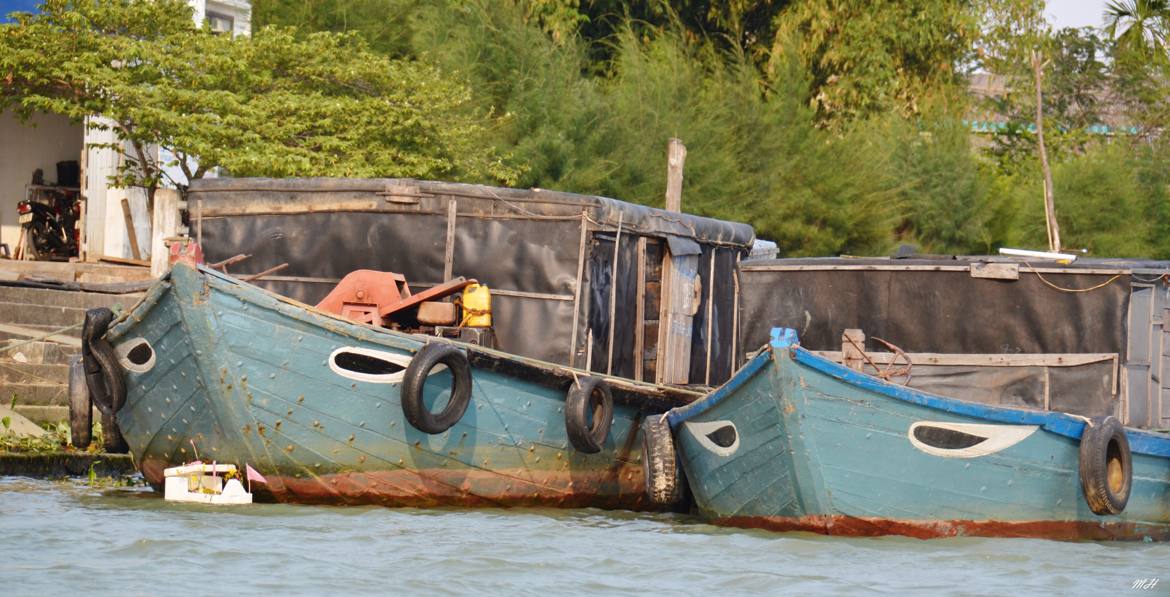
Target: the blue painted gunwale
pixel 1067 425
pixel 199 298
pixel 815 451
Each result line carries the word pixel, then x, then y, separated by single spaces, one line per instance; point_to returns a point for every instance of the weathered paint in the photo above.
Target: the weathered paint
pixel 850 526
pixel 825 449
pixel 244 375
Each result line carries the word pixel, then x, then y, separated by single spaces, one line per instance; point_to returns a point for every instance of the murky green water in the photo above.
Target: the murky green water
pixel 60 538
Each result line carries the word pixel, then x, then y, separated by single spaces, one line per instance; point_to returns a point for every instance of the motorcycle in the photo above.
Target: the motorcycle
pixel 50 228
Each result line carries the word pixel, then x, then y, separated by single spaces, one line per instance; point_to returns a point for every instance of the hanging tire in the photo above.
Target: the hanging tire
pixel 103 374
pixel 80 406
pixel 659 462
pixel 112 440
pixel 588 414
pixel 1106 466
pixel 416 377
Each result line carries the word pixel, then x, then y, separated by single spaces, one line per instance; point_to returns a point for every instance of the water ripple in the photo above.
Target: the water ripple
pixel 68 538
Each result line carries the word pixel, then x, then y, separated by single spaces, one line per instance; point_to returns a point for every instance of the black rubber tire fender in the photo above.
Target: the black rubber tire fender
pixel 112 440
pixel 415 378
pixel 80 406
pixel 660 462
pixel 103 374
pixel 588 414
pixel 1106 466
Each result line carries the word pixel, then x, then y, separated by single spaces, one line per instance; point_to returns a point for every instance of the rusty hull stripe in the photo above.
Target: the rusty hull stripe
pixel 442 487
pixel 850 526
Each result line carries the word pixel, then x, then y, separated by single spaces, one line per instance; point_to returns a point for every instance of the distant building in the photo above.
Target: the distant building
pixel 982 120
pixel 48 139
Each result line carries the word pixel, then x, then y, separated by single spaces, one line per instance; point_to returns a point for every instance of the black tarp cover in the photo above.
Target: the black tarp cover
pixel 935 305
pixel 524 244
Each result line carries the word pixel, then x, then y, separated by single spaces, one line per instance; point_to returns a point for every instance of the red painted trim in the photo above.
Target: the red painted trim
pixel 931 529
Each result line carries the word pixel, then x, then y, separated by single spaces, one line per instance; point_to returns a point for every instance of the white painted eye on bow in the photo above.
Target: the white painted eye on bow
pixel 719 437
pixel 368 365
pixel 965 440
pixel 136 355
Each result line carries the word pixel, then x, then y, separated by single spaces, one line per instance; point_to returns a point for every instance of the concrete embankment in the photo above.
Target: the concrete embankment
pixel 42 305
pixel 53 465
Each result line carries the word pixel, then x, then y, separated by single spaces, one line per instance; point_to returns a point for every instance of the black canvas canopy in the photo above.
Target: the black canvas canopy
pixel 998 307
pixel 548 257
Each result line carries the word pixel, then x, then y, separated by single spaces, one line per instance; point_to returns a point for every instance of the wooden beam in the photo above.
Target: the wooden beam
pixel 982 360
pixel 267 272
pixel 130 232
pixel 125 261
pixel 853 348
pixel 710 315
pixel 449 252
pixel 676 156
pixel 617 244
pixel 1049 206
pixel 577 287
pixel 777 267
pixel 996 271
pixel 735 316
pixel 680 292
pixel 640 312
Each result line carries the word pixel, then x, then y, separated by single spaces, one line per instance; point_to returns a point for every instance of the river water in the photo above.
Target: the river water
pixel 66 537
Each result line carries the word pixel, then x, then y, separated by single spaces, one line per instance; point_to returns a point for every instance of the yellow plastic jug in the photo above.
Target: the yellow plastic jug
pixel 477 306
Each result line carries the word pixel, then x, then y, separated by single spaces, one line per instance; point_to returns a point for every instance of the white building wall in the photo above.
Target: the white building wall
pixel 105 222
pixel 41 143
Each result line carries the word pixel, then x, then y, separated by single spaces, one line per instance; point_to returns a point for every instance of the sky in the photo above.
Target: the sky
pixel 7 6
pixel 1069 13
pixel 1061 13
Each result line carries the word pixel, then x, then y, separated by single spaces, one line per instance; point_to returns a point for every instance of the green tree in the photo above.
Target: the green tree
pixel 753 152
pixel 385 25
pixel 1108 204
pixel 1076 78
pixel 1138 25
pixel 270 105
pixel 946 202
pixel 1141 65
pixel 867 58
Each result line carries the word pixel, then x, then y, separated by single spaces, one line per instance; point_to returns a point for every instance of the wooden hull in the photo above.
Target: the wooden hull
pixel 822 448
pixel 243 376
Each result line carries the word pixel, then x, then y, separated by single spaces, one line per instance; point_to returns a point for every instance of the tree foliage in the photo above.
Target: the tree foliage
pixel 274 104
pixel 834 126
pixel 866 58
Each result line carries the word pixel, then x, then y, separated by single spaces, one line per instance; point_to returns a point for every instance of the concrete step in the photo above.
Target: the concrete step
pixel 24 315
pixel 44 414
pixel 29 394
pixel 47 353
pixel 12 372
pixel 65 298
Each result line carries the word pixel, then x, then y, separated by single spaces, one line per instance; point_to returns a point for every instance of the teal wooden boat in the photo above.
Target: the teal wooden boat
pixel 224 371
pixel 797 442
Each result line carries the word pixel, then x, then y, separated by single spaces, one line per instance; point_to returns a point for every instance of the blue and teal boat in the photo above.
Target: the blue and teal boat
pixel 220 370
pixel 798 442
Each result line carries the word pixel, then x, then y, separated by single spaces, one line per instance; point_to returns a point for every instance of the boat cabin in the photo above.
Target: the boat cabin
pixel 1086 338
pixel 584 281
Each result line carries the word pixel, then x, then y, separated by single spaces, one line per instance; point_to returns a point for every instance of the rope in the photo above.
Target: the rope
pixel 12 367
pixel 41 338
pixel 1151 280
pixel 1073 290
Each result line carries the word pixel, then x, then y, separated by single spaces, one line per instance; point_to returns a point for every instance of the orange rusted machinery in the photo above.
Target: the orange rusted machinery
pixel 372 297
